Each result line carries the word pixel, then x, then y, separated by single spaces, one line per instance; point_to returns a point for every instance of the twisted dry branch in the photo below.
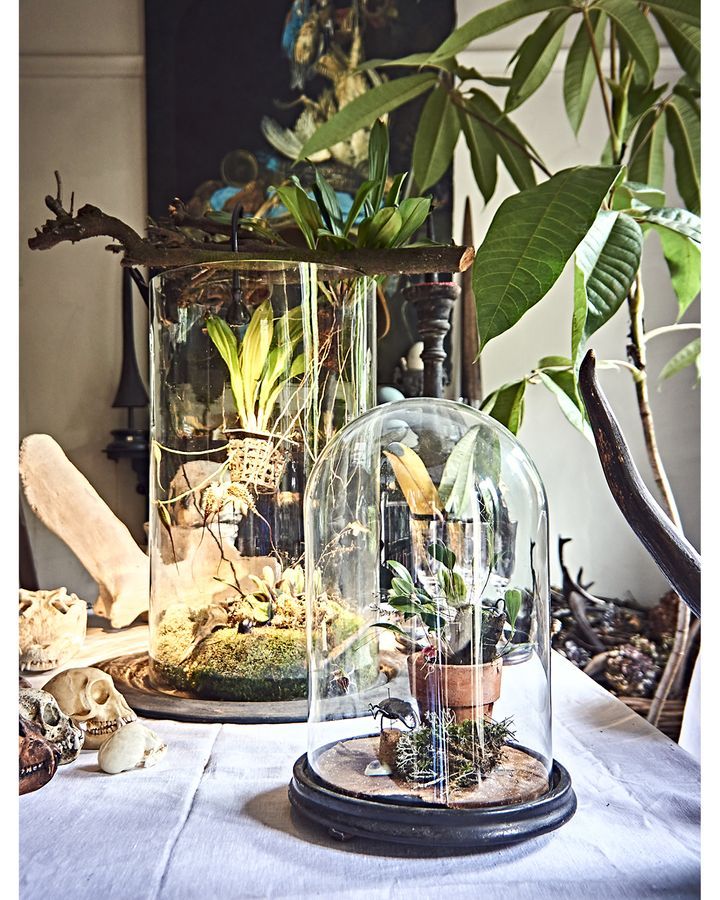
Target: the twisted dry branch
pixel 90 221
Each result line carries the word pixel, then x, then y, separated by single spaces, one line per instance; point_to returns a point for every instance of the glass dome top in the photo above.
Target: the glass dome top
pixel 428 610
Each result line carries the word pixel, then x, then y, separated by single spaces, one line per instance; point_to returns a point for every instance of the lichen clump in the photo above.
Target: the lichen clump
pixel 458 754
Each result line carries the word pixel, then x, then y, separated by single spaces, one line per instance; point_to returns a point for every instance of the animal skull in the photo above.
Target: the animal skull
pixel 131 747
pixel 51 628
pixel 92 701
pixel 38 758
pixel 42 709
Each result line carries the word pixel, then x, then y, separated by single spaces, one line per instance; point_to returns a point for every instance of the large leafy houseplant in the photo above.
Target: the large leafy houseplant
pixel 599 216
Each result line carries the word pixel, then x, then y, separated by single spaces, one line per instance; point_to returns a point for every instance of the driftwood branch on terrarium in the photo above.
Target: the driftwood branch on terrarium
pixel 168 246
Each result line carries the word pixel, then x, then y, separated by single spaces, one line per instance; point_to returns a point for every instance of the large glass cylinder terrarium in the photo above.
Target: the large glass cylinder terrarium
pixel 255 367
pixel 426 522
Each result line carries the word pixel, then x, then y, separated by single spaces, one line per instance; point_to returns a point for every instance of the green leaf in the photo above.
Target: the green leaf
pixel 413 59
pixel 504 137
pixel 399 570
pixel 684 39
pixel 275 368
pixel 254 352
pixel 682 359
pixel 458 477
pixel 327 201
pixel 536 57
pixel 442 554
pixel 365 109
pixel 223 337
pixel 304 210
pixel 378 155
pixel 565 393
pixel 608 259
pixel 513 605
pixel 435 139
pixel 413 212
pixel 636 35
pixel 507 405
pixel 683 126
pixel 531 238
pixel 548 362
pixel 380 230
pixel 483 155
pixel 683 10
pixel 580 68
pixel 680 220
pixel 468 73
pixel 631 194
pixel 648 150
pixel 683 259
pixel 491 20
pixel 297 366
pixel 392 197
pixel 361 196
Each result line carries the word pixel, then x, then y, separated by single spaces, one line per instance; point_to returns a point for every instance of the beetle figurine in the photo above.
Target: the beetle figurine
pixel 396 710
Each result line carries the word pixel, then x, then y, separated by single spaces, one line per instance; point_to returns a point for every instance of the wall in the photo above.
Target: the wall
pixel 81 112
pixel 580 503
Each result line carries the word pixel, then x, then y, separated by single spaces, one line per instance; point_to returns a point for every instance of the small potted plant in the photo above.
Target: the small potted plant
pixel 465 627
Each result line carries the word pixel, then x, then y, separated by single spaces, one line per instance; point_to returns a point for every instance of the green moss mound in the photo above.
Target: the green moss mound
pixel 266 664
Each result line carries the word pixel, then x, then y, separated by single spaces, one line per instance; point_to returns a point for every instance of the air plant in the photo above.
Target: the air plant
pixel 261 363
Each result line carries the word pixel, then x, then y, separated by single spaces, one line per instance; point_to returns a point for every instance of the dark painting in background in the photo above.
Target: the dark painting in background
pixel 214 69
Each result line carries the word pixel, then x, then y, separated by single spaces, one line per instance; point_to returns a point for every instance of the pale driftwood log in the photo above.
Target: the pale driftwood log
pixel 65 501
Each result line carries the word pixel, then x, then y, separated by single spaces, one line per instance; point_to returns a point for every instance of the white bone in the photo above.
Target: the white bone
pixel 66 502
pixel 131 747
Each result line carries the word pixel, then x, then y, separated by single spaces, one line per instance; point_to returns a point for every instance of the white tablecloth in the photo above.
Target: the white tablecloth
pixel 213 819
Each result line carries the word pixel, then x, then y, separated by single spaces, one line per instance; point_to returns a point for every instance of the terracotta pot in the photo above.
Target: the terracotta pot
pixel 463 689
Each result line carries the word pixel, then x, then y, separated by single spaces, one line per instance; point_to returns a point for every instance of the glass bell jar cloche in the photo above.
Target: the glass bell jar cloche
pixel 426 523
pixel 255 367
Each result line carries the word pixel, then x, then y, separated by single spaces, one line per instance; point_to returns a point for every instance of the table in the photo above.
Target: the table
pixel 212 820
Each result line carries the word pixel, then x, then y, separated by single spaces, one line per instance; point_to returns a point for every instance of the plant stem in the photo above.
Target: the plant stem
pixel 637 354
pixel 671 329
pixel 603 85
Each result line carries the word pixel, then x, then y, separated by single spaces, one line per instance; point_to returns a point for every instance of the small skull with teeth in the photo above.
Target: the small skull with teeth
pixel 92 701
pixel 42 709
pixel 51 628
pixel 38 758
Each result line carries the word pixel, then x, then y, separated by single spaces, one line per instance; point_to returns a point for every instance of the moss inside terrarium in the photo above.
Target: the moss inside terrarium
pixel 266 663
